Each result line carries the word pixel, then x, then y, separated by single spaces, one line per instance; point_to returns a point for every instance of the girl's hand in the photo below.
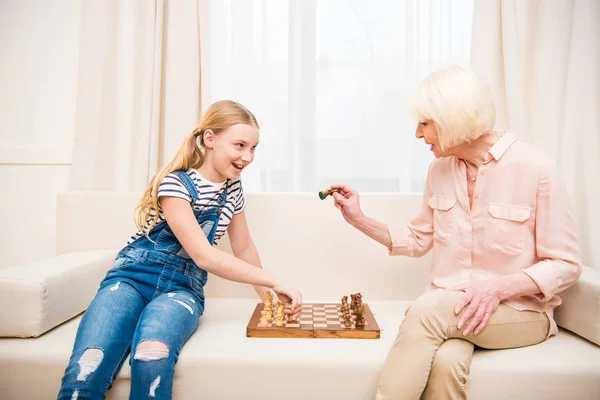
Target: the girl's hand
pixel 481 300
pixel 291 297
pixel 348 203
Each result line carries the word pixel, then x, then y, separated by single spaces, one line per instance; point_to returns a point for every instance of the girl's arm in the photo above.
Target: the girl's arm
pixel 243 246
pixel 181 220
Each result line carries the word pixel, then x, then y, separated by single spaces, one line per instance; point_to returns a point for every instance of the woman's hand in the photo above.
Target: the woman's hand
pixel 348 203
pixel 481 300
pixel 291 297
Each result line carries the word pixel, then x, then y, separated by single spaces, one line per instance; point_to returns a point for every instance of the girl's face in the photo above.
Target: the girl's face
pixel 427 131
pixel 230 152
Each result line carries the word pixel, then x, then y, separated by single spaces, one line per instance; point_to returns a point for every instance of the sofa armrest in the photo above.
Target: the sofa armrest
pixel 38 296
pixel 580 309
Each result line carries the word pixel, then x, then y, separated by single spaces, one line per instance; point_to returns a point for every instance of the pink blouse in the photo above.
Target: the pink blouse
pixel 520 220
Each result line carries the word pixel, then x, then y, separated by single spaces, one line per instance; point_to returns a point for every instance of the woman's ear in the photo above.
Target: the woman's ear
pixel 209 139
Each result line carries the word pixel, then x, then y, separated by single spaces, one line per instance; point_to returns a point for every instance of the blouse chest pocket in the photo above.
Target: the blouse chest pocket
pixel 443 218
pixel 506 228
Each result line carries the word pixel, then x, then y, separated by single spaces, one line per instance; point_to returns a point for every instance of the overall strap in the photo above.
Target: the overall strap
pixel 223 198
pixel 189 184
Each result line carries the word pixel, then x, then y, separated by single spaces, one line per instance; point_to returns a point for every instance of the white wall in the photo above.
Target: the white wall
pixel 38 71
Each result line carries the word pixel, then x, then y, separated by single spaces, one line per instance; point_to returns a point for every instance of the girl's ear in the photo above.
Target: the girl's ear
pixel 209 139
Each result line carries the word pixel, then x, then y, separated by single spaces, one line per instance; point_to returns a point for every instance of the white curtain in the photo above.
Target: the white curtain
pixel 138 90
pixel 328 81
pixel 542 59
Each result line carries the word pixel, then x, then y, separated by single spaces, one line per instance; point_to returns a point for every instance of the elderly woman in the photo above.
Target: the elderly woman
pixel 498 218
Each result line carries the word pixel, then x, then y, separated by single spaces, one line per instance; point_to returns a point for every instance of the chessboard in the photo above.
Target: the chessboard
pixel 316 320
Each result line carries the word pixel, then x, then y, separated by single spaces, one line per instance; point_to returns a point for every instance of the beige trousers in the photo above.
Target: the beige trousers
pixel 431 357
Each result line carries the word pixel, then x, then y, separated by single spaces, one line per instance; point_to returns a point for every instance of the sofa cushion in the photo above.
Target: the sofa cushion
pixel 220 362
pixel 38 296
pixel 580 308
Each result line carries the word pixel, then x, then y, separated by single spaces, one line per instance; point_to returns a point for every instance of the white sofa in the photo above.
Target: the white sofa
pixel 306 241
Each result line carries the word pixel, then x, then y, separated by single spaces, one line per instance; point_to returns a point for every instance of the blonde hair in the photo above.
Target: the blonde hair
pixel 217 118
pixel 459 104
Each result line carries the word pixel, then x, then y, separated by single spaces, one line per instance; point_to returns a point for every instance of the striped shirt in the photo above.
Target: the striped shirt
pixel 208 195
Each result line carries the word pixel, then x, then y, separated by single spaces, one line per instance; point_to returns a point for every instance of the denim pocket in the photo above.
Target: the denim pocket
pixel 167 241
pixel 198 278
pixel 125 257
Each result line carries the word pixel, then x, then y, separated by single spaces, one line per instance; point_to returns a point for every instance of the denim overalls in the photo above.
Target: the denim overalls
pixel 154 291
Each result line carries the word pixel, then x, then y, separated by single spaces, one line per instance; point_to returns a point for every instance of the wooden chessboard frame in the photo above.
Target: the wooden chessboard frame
pixel 370 331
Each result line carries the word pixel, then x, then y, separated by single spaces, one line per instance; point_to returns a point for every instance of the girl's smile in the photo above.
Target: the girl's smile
pixel 228 153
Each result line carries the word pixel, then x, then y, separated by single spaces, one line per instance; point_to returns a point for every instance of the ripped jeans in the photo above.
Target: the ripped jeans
pixel 148 304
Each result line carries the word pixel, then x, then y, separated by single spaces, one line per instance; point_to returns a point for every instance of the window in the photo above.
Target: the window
pixel 328 82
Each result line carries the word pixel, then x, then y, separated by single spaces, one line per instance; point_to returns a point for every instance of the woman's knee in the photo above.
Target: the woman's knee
pixel 435 302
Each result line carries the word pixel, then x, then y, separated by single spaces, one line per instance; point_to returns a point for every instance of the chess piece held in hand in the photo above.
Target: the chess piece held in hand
pixel 323 194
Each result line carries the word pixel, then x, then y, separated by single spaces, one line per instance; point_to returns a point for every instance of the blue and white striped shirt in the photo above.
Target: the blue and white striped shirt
pixel 208 195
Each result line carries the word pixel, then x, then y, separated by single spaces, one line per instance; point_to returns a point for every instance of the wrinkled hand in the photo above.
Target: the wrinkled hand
pixel 481 300
pixel 291 297
pixel 346 200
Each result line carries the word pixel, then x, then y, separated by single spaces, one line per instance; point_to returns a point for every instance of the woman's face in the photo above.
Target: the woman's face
pixel 427 131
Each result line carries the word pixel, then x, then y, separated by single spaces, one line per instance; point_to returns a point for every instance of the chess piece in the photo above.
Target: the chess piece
pixel 360 317
pixel 268 301
pixel 346 316
pixel 267 310
pixel 291 318
pixel 323 194
pixel 280 316
pixel 345 300
pixel 358 298
pixel 263 323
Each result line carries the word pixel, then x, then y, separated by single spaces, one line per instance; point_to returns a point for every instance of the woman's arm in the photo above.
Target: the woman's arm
pixel 557 248
pixel 181 220
pixel 243 246
pixel 413 240
pixel 374 229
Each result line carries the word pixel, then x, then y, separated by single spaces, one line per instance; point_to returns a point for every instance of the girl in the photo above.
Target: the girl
pixel 150 301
